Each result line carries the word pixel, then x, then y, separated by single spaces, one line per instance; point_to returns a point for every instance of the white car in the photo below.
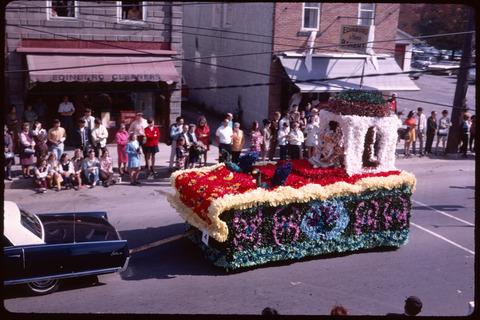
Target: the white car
pixel 445 67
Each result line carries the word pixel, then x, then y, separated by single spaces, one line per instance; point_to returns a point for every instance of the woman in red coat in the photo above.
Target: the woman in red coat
pixel 202 132
pixel 152 135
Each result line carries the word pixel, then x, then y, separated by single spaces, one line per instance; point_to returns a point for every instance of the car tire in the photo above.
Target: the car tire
pixel 43 287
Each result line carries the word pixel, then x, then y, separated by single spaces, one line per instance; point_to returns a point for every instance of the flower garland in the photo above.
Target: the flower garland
pixel 247 195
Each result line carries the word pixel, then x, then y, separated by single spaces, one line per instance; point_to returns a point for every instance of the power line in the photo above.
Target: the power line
pixel 249 71
pixel 232 68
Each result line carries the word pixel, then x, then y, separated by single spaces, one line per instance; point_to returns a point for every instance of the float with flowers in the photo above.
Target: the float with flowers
pixel 257 212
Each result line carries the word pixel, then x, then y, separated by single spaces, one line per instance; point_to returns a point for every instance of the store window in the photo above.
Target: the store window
pixel 131 11
pixel 62 9
pixel 216 15
pixel 311 16
pixel 366 14
pixel 213 72
pixel 227 14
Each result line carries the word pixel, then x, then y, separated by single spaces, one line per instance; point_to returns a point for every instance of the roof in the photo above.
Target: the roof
pixel 349 70
pixel 100 68
pixel 15 232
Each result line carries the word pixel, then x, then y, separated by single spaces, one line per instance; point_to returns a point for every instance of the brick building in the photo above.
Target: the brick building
pixel 125 47
pixel 273 39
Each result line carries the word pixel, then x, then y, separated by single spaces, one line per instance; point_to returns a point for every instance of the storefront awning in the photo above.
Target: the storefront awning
pixel 93 68
pixel 346 68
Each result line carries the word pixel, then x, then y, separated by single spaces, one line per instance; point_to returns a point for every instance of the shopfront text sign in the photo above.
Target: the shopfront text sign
pixel 354 38
pixel 105 77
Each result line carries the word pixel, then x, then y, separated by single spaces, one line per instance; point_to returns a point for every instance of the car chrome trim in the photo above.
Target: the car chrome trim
pixel 62 276
pixel 68 243
pixel 125 265
pixel 23 258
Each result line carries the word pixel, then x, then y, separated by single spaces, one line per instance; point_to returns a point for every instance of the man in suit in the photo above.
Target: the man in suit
pixel 82 138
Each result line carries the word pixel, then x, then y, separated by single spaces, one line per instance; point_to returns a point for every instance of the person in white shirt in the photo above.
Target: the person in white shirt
pixel 421 131
pixel 314 116
pixel 282 137
pixel 283 120
pixel 138 127
pixel 311 140
pixel 99 137
pixel 66 111
pixel 295 140
pixel 89 119
pixel 223 136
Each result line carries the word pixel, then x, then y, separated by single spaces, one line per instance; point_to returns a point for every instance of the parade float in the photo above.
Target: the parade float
pixel 257 212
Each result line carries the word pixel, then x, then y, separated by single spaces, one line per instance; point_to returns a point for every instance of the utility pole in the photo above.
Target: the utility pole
pixel 459 101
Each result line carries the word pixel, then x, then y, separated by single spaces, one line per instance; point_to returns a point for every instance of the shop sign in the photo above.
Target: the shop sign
pixel 136 77
pixel 78 77
pixel 354 38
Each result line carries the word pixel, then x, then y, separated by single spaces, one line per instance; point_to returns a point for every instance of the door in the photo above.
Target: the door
pixel 13 263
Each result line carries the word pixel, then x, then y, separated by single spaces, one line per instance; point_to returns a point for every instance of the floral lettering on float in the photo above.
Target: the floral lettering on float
pixel 286 229
pixel 373 215
pixel 325 220
pixel 246 229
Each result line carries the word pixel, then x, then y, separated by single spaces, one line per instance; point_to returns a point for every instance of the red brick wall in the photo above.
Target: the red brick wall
pixel 288 22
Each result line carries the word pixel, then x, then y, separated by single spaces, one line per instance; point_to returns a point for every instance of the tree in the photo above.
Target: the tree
pixel 442 18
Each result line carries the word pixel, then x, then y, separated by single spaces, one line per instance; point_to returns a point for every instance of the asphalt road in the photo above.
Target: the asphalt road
pixel 436 265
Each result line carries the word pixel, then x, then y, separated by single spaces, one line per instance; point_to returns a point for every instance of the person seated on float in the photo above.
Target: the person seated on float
pixel 330 151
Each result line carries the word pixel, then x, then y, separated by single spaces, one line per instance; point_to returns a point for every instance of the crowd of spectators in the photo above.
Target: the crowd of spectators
pixel 295 134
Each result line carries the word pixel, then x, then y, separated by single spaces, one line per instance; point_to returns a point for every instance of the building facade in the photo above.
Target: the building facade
pixel 129 53
pixel 261 37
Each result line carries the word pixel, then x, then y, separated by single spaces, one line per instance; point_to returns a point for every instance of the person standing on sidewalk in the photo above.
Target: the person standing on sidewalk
pixel 295 140
pixel 133 151
pixel 256 138
pixel 238 141
pixel 267 138
pixel 421 128
pixel 431 130
pixel 472 135
pixel 56 138
pixel 275 126
pixel 410 136
pixel 465 132
pixel 8 153
pixel 66 111
pixel 444 124
pixel 176 130
pixel 282 137
pixel 223 136
pixel 122 139
pixel 99 137
pixel 88 119
pixel 138 127
pixel 150 148
pixel 202 131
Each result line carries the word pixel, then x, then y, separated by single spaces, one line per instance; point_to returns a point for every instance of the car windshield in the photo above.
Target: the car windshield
pixel 30 222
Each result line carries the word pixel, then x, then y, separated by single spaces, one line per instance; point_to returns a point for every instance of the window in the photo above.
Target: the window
pixel 311 15
pixel 216 15
pixel 366 14
pixel 213 72
pixel 227 14
pixel 62 9
pixel 131 11
pixel 30 222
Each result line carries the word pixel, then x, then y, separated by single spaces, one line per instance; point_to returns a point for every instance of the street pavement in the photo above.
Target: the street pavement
pixel 436 265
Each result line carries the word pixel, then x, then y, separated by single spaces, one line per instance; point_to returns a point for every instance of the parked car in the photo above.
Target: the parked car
pixel 416 74
pixel 457 55
pixel 422 62
pixel 40 250
pixel 444 67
